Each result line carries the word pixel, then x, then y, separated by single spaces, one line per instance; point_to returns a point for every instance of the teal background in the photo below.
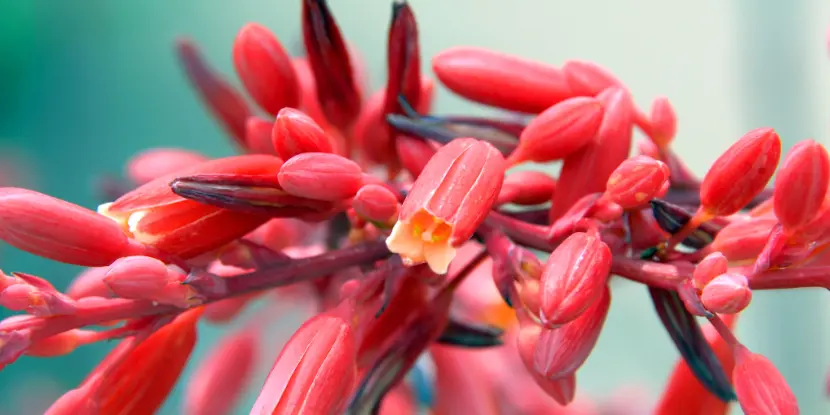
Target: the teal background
pixel 85 84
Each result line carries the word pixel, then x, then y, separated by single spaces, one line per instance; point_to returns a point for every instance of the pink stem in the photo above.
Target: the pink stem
pixel 651 273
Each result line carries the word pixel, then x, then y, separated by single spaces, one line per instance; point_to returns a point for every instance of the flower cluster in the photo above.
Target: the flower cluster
pixel 378 212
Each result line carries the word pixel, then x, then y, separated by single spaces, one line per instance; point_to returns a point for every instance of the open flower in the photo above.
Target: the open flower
pixel 450 199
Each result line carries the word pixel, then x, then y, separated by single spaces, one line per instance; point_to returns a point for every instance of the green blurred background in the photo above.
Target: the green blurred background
pixel 84 84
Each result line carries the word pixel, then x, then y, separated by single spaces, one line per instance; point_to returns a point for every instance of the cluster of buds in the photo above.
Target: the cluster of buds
pixel 401 227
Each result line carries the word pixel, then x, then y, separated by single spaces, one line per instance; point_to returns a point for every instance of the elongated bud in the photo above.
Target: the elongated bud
pixel 62 343
pixel 636 181
pixel 309 103
pixel 563 389
pixel 587 171
pixel 296 133
pixel 265 69
pixel 160 359
pixel 527 187
pixel 560 352
pixel 500 80
pixel 740 173
pixel 414 154
pixel 315 371
pixel 154 215
pixel 743 240
pixel 321 176
pixel 574 278
pixel 587 78
pixel 78 401
pixel 59 230
pixel 220 379
pixel 559 131
pixel 374 137
pixel 448 201
pixel 760 387
pixel 223 101
pixel 377 204
pixel 403 60
pixel 89 283
pixel 663 122
pixel 710 267
pixel 801 184
pixel 258 136
pixel 727 294
pixel 156 162
pixel 330 63
pixel 144 278
pixel 37 300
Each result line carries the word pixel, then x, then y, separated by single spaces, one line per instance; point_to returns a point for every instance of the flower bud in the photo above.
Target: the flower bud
pixel 377 204
pixel 708 268
pixel 321 176
pixel 727 294
pixel 218 382
pixel 309 103
pixel 258 136
pixel 62 343
pixel 562 390
pixel 801 184
pixel 743 240
pixel 223 101
pixel 265 69
pixel 78 401
pixel 559 131
pixel 527 187
pixel 331 64
pixel 13 344
pixel 447 203
pixel 636 181
pixel 561 351
pixel 414 154
pixel 146 376
pixel 587 171
pixel 374 137
pixel 760 387
pixel 740 173
pixel 573 278
pixel 315 371
pixel 144 278
pixel 296 133
pixel 663 122
pixel 156 162
pixel 36 300
pixel 587 78
pixel 59 230
pixel 89 283
pixel 500 80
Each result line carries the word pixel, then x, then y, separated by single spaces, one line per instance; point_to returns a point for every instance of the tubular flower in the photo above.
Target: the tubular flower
pixel 448 201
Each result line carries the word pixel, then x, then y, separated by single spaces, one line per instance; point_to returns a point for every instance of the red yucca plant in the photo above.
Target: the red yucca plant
pixel 401 226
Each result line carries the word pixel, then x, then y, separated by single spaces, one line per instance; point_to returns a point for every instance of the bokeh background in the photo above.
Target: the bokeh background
pixel 85 84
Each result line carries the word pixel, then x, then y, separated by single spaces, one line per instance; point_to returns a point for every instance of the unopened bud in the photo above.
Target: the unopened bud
pixel 636 181
pixel 728 294
pixel 528 187
pixel 574 278
pixel 742 172
pixel 801 184
pixel 145 278
pixel 377 204
pixel 663 122
pixel 760 387
pixel 710 267
pixel 265 69
pixel 295 133
pixel 321 176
